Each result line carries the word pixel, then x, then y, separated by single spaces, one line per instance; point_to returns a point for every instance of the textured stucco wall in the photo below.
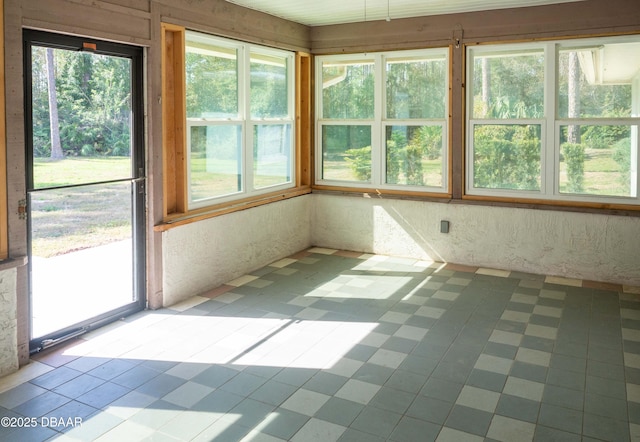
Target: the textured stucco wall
pixel 576 245
pixel 8 322
pixel 203 255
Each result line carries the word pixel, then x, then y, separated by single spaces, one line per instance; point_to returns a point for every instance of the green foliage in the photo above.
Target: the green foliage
pixel 604 137
pixel 574 157
pixel 94 104
pixel 395 146
pixel 622 156
pixel 360 162
pixel 507 157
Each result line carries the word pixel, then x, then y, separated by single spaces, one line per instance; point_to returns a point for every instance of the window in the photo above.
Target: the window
pixel 382 120
pixel 555 120
pixel 239 119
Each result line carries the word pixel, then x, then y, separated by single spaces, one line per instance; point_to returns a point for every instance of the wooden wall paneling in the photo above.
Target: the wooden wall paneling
pixel 173 120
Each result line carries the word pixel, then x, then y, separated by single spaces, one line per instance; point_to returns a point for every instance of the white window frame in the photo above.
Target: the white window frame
pixel 380 122
pixel 246 122
pixel 550 127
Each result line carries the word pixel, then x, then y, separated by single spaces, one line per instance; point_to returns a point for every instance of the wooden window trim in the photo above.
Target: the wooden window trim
pixel 4 240
pixel 175 191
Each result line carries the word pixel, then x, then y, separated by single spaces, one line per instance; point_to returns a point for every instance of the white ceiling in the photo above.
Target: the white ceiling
pixel 326 12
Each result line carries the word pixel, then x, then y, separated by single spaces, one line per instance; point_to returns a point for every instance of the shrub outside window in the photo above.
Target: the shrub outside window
pixel 239 103
pixel 555 120
pixel 382 120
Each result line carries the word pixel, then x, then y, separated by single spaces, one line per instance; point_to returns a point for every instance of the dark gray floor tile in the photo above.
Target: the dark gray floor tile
pixel 250 412
pixel 531 372
pixel 392 400
pixel 610 355
pixel 161 385
pixel 518 408
pixel 430 409
pixel 487 380
pixel 103 395
pixel 411 429
pixel 20 394
pixel 215 376
pixel 243 384
pixel 32 434
pixel 55 377
pixel 634 412
pixel 285 425
pixel 567 379
pixel 560 418
pixel 295 376
pixel 453 372
pixel 605 406
pixel 605 428
pixel 218 401
pixel 135 377
pixel 361 352
pixel 563 397
pixel 373 373
pixel 112 369
pixel 406 381
pixel 351 435
pixel 469 420
pixel 537 343
pixel 401 345
pixel 421 365
pixel 273 392
pixel 160 366
pixel 376 421
pixel 441 389
pixel 339 411
pixel 569 363
pixel 546 434
pixel 78 386
pixel 500 350
pixel 41 405
pixel 606 387
pixel 326 383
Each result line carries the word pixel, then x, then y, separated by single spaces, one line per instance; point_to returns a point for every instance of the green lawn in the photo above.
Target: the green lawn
pixel 602 175
pixel 64 220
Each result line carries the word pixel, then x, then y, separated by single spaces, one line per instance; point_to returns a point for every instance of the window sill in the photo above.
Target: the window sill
pixel 573 206
pixel 180 219
pixel 12 263
pixel 382 193
pixel 539 204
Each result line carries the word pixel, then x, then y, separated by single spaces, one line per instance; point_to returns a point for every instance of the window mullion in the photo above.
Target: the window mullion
pixel 247 120
pixel 377 130
pixel 550 161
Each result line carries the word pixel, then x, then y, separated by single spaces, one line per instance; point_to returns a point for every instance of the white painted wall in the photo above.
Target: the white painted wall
pixel 575 245
pixel 203 255
pixel 8 322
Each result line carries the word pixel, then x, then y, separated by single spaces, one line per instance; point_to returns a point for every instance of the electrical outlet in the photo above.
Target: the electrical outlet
pixel 444 226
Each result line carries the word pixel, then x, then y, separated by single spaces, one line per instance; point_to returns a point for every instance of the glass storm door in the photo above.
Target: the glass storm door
pixel 85 184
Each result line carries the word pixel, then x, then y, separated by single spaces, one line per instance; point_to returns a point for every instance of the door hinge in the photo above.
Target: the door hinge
pixel 22 209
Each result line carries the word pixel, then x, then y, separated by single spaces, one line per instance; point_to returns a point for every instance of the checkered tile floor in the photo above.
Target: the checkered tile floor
pixel 329 345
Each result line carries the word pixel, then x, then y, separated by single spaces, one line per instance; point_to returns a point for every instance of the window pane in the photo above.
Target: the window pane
pixel 597 160
pixel 347 90
pixel 596 81
pixel 506 156
pixel 346 153
pixel 211 79
pixel 414 155
pixel 509 85
pixel 215 161
pixel 416 87
pixel 269 97
pixel 271 155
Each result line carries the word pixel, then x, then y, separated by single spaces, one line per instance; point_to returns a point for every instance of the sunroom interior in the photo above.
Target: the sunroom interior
pixel 314 193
